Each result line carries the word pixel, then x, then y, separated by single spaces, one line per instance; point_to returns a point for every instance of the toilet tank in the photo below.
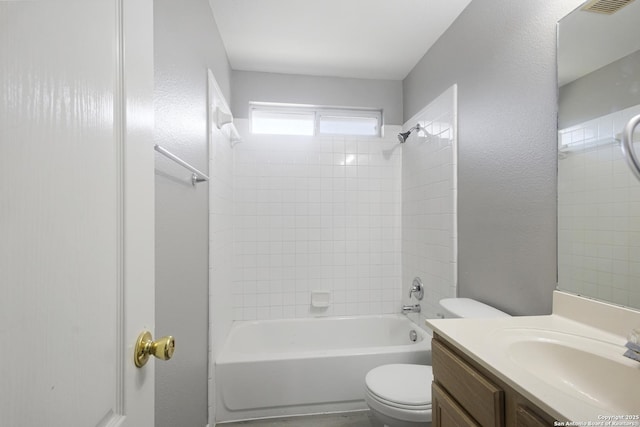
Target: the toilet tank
pixel 468 308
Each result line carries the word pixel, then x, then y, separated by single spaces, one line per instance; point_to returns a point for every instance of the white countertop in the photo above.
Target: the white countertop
pixel 485 341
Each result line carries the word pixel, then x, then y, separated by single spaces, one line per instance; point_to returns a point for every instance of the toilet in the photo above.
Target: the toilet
pixel 399 395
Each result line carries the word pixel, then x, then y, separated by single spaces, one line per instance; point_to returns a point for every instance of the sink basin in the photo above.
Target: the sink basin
pixel 592 371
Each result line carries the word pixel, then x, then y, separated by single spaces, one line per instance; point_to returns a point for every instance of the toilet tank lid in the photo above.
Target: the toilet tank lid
pixel 470 308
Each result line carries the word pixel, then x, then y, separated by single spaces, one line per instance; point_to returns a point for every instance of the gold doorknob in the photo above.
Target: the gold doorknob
pixel 162 348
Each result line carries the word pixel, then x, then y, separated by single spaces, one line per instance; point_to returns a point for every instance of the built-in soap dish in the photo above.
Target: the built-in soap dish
pixel 320 299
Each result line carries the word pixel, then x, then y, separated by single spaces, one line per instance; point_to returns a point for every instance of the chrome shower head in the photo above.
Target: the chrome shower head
pixel 402 136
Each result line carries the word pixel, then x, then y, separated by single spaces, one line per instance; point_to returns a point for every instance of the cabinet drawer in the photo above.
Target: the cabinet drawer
pixel 482 399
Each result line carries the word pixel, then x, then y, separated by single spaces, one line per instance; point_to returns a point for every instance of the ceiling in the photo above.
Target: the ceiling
pixel 373 39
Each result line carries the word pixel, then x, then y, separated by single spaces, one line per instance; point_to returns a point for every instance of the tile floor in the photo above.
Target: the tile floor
pixel 350 419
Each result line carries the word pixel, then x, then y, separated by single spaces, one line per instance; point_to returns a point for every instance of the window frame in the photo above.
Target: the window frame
pixel 318 113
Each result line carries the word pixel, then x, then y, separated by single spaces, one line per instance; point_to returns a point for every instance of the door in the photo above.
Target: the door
pixel 76 212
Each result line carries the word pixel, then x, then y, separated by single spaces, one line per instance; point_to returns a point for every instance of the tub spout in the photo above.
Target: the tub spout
pixel 411 309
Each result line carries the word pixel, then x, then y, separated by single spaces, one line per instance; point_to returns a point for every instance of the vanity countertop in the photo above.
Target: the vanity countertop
pixel 568 363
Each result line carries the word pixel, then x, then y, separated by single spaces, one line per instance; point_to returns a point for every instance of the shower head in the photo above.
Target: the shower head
pixel 402 136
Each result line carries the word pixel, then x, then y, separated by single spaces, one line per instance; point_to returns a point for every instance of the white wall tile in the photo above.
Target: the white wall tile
pixel 335 214
pixel 316 213
pixel 429 204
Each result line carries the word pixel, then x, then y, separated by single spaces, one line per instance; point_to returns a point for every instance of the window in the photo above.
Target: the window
pixel 331 123
pixel 283 119
pixel 282 122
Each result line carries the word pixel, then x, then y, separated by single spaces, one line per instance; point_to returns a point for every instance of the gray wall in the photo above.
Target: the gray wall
pixel 186 44
pixel 615 87
pixel 501 53
pixel 250 86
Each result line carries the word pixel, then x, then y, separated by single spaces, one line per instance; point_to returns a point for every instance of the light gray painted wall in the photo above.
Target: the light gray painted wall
pixel 615 87
pixel 250 86
pixel 501 53
pixel 186 44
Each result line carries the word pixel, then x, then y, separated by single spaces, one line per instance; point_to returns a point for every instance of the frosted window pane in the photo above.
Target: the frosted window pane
pixel 341 125
pixel 282 123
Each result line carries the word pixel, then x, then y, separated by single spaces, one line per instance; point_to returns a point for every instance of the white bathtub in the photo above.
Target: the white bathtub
pixel 304 366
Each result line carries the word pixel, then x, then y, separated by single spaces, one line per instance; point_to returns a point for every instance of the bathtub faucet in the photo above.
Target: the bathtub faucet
pixel 411 309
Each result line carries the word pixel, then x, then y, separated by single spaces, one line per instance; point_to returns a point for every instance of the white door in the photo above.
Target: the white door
pixel 76 212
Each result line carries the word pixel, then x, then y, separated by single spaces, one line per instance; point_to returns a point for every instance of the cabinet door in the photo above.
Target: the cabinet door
pixel 527 418
pixel 447 412
pixel 473 391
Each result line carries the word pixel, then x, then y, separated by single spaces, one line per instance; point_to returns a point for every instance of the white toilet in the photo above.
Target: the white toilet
pixel 399 395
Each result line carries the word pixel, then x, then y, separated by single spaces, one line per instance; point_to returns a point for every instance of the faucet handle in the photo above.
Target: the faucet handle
pixel 417 289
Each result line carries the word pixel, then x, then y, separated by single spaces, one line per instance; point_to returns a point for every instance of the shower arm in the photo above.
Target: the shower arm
pixel 417 127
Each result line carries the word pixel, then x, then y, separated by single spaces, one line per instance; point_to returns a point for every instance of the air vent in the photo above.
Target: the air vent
pixel 607 7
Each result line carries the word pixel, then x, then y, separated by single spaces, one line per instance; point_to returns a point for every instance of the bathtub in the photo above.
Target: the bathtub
pixel 304 366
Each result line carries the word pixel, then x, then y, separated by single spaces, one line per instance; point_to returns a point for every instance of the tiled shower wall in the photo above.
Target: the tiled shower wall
pixel 429 232
pixel 316 213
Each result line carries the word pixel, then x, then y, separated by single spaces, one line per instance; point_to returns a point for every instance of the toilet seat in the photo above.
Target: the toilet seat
pixel 398 405
pixel 401 384
pixel 402 391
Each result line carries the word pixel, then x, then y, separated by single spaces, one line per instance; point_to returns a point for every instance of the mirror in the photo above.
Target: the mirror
pixel 598 196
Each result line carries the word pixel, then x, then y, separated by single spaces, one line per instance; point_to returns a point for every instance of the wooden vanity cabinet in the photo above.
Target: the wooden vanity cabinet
pixel 465 394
